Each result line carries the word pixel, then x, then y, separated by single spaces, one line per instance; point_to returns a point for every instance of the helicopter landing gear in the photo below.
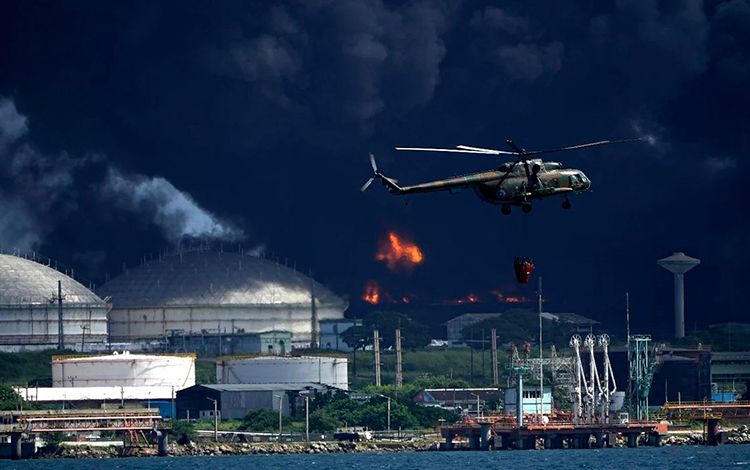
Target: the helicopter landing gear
pixel 505 210
pixel 526 208
pixel 566 204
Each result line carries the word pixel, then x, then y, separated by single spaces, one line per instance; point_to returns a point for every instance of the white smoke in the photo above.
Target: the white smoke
pixel 652 133
pixel 173 211
pixel 38 191
pixel 12 124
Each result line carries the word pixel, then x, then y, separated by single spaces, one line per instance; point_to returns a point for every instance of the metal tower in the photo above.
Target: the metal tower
pixel 518 368
pixel 679 264
pixel 642 362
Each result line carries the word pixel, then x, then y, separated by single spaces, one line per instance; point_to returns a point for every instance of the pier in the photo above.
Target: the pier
pixel 489 436
pixel 22 425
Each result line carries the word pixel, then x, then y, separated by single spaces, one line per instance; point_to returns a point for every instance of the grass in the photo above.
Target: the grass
pixel 451 363
pixel 32 367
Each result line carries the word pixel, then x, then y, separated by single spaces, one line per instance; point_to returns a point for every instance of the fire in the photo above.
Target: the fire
pixel 397 252
pixel 408 298
pixel 469 299
pixel 372 292
pixel 508 298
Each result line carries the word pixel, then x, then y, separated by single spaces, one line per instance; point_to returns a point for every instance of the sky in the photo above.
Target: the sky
pixel 127 128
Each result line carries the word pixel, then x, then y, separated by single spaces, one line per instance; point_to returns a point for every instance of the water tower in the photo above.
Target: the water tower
pixel 679 264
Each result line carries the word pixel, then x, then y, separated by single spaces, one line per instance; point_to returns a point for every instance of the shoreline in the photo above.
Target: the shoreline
pixel 734 437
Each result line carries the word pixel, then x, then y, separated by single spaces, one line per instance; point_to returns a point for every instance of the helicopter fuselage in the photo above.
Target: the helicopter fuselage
pixel 518 189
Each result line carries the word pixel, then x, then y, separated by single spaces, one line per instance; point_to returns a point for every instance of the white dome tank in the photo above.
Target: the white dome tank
pixel 124 370
pixel 284 370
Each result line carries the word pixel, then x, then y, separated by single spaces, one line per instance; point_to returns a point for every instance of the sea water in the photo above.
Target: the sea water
pixel 666 458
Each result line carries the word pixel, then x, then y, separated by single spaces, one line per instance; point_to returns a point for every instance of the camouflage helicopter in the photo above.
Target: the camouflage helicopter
pixel 515 183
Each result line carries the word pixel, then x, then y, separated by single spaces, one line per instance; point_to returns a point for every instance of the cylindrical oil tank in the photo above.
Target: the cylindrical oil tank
pixel 30 310
pixel 618 401
pixel 194 293
pixel 324 370
pixel 124 370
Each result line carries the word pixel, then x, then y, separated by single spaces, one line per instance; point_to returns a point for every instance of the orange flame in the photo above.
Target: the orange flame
pixel 469 299
pixel 372 292
pixel 408 298
pixel 397 252
pixel 508 298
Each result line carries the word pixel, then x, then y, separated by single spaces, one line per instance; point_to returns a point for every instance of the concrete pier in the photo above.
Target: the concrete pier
pixel 163 442
pixel 554 436
pixel 15 446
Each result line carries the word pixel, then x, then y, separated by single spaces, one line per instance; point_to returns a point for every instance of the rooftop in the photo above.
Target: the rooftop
pixel 26 282
pixel 211 278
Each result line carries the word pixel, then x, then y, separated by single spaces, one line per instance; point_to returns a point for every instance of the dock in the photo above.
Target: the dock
pixel 491 436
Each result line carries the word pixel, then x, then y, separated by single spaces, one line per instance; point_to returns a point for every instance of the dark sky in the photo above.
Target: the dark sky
pixel 124 127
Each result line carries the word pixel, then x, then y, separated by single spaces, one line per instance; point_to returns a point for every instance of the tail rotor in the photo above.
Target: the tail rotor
pixel 389 183
pixel 375 175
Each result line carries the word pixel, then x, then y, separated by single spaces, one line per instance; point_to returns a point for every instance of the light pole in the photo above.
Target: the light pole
pixel 280 410
pixel 216 419
pixel 477 403
pixel 388 408
pixel 306 394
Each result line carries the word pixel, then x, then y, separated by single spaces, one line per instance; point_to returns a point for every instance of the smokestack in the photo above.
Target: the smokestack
pixel 399 375
pixel 60 338
pixel 495 377
pixel 314 318
pixel 376 349
pixel 679 264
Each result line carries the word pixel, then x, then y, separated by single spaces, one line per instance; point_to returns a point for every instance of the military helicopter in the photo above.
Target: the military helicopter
pixel 515 183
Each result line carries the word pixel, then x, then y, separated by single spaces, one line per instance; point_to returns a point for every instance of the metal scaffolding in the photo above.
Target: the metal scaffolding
pixel 642 361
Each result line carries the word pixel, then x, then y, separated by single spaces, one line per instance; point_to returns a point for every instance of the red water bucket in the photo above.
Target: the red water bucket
pixel 523 268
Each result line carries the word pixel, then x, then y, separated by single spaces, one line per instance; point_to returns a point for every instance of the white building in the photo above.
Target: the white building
pixel 532 404
pixel 29 317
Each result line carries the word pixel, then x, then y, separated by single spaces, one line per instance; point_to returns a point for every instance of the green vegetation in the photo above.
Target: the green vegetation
pixel 717 339
pixel 386 323
pixel 449 364
pixel 263 420
pixel 9 399
pixel 518 326
pixel 334 410
pixel 182 427
pixel 31 367
pixel 205 370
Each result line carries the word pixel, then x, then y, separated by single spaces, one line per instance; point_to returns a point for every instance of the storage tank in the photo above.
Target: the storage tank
pixel 325 370
pixel 192 294
pixel 29 316
pixel 124 370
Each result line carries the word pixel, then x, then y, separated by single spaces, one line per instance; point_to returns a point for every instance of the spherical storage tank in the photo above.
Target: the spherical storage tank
pixel 284 370
pixel 124 370
pixel 208 292
pixel 29 309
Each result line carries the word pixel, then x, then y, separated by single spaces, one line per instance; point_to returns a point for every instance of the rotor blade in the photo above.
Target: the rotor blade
pixel 592 144
pixel 366 185
pixel 510 168
pixel 512 145
pixel 372 162
pixel 480 149
pixel 475 152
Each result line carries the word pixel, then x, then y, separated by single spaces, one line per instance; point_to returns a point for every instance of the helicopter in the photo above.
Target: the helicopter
pixel 515 183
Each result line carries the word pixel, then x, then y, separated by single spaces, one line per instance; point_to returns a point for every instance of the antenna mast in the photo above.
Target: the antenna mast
pixel 60 337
